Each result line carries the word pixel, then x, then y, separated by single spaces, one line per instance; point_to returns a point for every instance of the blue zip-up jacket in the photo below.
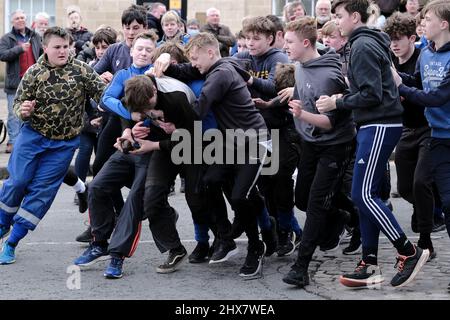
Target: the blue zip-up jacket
pixel 116 90
pixel 433 69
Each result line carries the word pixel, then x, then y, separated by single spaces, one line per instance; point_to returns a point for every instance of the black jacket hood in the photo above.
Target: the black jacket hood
pixel 380 37
pixel 239 65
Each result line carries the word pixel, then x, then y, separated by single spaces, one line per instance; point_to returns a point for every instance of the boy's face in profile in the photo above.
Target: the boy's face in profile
pixel 57 51
pixel 258 43
pixel 294 46
pixel 434 26
pixel 201 58
pixel 344 20
pixel 142 52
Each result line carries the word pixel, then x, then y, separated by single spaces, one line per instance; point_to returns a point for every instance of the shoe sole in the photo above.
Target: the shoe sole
pixel 422 260
pixel 295 283
pixel 229 255
pixel 4 263
pixel 101 258
pixel 110 276
pixel 353 283
pixel 356 251
pixel 173 269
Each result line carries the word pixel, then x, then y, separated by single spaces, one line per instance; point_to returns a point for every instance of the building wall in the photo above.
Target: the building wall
pixel 232 11
pixel 94 13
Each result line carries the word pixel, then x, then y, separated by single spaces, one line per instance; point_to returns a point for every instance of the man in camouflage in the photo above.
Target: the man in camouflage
pixel 50 101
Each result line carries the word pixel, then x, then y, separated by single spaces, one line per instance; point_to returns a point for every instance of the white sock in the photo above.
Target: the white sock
pixel 79 187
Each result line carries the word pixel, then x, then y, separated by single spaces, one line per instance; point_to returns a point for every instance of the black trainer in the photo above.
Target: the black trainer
pixel 174 260
pixel 83 200
pixel 200 253
pixel 354 247
pixel 86 236
pixel 408 267
pixel 438 225
pixel 297 276
pixel 270 237
pixel 365 275
pixel 253 266
pixel 286 243
pixel 225 249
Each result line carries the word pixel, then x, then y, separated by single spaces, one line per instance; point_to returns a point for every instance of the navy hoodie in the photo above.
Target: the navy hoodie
pixel 262 68
pixel 373 95
pixel 433 69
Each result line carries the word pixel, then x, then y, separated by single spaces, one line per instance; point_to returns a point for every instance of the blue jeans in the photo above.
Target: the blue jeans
pixel 37 167
pixel 13 124
pixel 88 143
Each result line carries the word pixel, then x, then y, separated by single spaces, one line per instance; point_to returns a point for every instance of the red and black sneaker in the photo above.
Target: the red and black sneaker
pixel 408 267
pixel 365 275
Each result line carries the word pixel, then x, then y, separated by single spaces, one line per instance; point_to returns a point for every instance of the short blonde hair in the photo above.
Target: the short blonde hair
pixel 170 16
pixel 203 40
pixel 149 35
pixel 304 28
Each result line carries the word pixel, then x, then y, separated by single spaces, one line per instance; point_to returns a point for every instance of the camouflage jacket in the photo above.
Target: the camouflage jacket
pixel 60 94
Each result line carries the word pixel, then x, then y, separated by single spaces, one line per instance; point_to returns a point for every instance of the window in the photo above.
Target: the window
pixel 278 5
pixel 30 7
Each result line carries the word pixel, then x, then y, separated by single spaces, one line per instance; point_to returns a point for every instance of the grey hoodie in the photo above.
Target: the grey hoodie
pixel 322 76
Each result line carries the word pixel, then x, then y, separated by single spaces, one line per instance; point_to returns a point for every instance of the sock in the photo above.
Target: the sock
pixel 425 241
pixel 285 220
pixel 201 233
pixel 18 233
pixel 369 255
pixel 404 246
pixel 79 187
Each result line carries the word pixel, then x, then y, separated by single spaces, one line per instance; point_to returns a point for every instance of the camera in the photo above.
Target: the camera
pixel 127 146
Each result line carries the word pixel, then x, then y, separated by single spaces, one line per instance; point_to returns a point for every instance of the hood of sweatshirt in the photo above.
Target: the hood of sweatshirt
pixel 238 65
pixel 380 37
pixel 444 48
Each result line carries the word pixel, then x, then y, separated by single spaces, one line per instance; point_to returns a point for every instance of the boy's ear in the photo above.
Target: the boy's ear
pixel 445 25
pixel 356 17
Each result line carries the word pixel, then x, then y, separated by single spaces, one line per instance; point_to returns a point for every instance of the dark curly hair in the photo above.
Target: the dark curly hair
pixel 399 25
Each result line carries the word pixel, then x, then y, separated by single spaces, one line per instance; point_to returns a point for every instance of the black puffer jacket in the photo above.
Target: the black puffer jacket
pixel 10 52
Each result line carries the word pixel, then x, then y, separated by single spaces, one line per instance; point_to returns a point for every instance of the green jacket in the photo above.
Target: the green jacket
pixel 60 94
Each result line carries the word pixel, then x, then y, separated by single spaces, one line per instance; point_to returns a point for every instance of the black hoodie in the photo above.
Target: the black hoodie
pixel 225 92
pixel 373 95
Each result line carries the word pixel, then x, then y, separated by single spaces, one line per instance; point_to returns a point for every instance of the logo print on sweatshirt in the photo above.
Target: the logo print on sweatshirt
pixel 117 63
pixel 361 161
